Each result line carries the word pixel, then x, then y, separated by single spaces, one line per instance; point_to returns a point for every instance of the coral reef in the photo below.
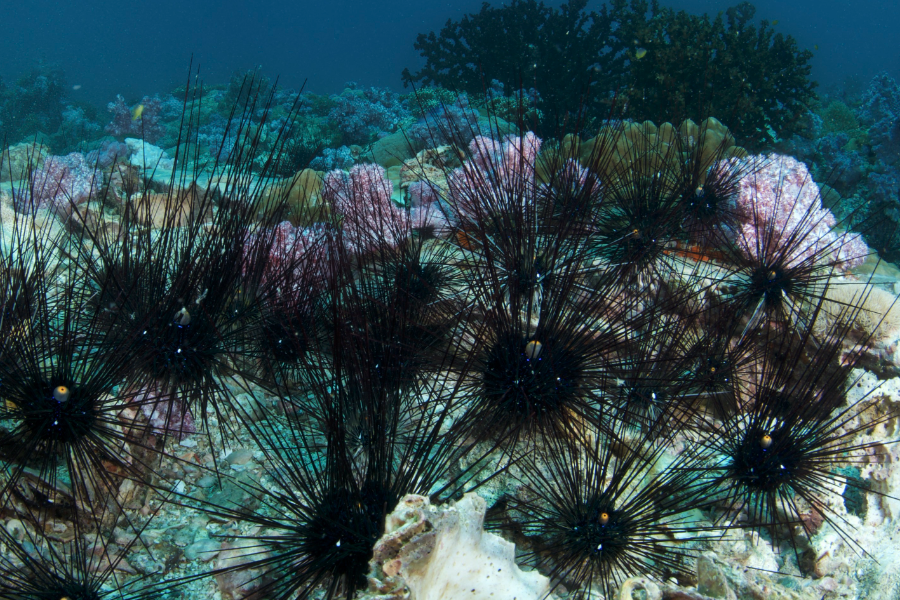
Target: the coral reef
pixel 362 114
pixel 879 111
pixel 642 358
pixel 860 159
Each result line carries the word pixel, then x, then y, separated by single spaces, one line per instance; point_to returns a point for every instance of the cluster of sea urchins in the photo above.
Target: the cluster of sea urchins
pixel 632 337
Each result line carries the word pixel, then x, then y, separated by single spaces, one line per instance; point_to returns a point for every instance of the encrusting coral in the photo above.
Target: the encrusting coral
pixel 877 319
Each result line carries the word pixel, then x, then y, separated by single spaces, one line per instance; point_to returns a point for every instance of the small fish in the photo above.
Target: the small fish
pixel 640 53
pixel 136 112
pixel 775 22
pixel 815 46
pixel 76 87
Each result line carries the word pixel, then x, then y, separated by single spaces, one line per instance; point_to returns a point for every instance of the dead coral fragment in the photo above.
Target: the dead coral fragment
pixel 432 553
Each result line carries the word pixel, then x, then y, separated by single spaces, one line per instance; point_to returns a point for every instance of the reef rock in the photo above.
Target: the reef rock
pixel 431 553
pixel 147 156
pixel 234 578
pixel 16 160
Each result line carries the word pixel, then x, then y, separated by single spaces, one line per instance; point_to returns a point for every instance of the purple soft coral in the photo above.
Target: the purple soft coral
pixel 62 180
pixel 363 198
pixel 496 174
pixel 143 120
pixel 165 413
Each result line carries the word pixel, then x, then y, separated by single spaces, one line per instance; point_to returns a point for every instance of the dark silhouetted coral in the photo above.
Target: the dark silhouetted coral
pixel 527 43
pixel 658 63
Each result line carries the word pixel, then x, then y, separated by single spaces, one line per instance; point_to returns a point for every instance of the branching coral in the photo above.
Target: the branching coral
pixel 664 64
pixel 753 78
pixel 527 42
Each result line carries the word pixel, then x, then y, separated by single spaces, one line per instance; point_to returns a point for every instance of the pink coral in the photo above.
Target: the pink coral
pixel 62 180
pixel 363 198
pixel 780 209
pixel 295 255
pixel 496 175
pixel 425 207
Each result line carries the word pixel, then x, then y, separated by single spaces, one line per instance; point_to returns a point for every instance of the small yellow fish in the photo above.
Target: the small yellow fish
pixel 640 53
pixel 775 22
pixel 136 112
pixel 815 46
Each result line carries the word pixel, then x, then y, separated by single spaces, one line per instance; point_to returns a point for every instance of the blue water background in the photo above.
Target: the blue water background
pixel 137 48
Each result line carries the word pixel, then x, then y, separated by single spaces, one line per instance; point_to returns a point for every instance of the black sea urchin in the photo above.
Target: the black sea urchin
pixel 776 460
pixel 596 514
pixel 87 565
pixel 173 282
pixel 62 403
pixel 784 248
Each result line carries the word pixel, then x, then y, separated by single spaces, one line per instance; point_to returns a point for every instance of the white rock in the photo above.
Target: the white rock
pixel 205 550
pixel 16 529
pixel 147 155
pixel 443 553
pixel 761 555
